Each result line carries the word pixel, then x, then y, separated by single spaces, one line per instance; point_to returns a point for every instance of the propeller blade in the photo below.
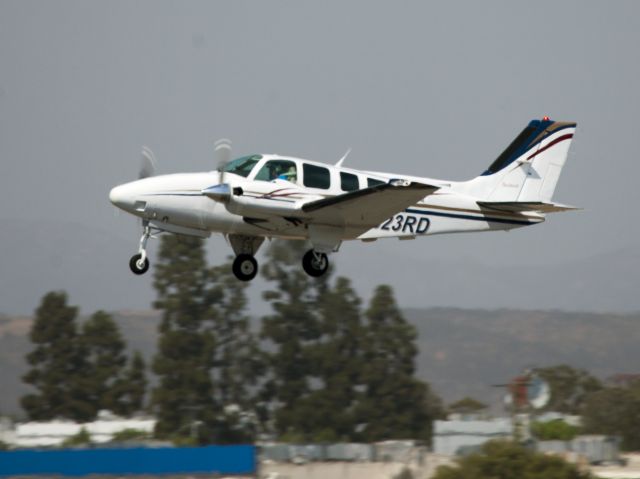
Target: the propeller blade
pixel 223 155
pixel 147 163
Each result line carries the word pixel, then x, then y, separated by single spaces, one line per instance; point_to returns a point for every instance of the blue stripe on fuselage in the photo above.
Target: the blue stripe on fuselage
pixel 469 217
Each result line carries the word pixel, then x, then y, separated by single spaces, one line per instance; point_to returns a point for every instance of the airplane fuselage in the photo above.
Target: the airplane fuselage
pixel 175 203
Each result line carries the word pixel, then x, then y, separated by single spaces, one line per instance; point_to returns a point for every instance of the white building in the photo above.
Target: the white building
pixel 54 433
pixel 453 437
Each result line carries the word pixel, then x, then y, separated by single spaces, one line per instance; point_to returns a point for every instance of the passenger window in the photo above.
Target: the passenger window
pixel 316 176
pixel 371 182
pixel 278 169
pixel 349 182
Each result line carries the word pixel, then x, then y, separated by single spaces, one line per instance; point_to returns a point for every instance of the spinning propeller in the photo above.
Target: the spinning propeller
pixel 221 191
pixel 147 163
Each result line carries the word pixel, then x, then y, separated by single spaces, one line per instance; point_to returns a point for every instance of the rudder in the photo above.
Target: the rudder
pixel 529 168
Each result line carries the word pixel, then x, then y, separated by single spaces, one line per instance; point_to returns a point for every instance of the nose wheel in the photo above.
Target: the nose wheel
pixel 245 267
pixel 315 264
pixel 139 263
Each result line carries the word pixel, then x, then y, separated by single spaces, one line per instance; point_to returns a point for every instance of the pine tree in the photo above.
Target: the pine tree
pixel 208 359
pixel 291 330
pixel 183 398
pixel 237 365
pixel 397 405
pixel 104 351
pixel 58 366
pixel 339 361
pixel 238 362
pixel 132 387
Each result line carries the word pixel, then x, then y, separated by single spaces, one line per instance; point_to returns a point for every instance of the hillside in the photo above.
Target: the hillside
pixel 462 352
pixel 465 352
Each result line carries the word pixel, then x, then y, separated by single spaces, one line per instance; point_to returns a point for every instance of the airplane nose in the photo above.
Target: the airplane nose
pixel 116 195
pixel 122 197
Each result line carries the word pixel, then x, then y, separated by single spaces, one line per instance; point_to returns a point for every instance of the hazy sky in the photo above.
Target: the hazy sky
pixel 426 88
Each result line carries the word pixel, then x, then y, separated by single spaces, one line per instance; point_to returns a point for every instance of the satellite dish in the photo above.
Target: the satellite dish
pixel 528 390
pixel 538 392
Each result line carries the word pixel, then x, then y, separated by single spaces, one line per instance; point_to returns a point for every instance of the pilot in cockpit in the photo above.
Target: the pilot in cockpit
pixel 289 175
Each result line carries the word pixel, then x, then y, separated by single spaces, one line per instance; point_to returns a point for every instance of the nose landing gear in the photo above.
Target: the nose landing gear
pixel 139 263
pixel 315 264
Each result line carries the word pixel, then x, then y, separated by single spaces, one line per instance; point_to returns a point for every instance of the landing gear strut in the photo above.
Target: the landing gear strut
pixel 315 264
pixel 245 267
pixel 139 263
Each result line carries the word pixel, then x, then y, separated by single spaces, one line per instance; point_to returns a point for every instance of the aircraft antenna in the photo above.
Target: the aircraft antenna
pixel 344 157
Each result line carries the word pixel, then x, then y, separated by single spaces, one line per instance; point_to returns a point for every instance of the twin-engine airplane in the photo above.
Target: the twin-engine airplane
pixel 274 196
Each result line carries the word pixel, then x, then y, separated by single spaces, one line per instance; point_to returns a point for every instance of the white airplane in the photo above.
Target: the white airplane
pixel 273 196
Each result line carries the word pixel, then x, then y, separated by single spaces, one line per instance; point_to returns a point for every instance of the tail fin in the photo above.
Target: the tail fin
pixel 528 170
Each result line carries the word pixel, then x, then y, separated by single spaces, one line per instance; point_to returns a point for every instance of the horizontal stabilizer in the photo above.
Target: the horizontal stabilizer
pixel 526 206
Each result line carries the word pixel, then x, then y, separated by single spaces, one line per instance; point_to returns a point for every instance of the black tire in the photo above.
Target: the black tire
pixel 245 267
pixel 315 264
pixel 135 268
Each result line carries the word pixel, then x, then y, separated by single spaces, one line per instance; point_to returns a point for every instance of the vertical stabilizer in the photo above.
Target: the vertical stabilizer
pixel 529 168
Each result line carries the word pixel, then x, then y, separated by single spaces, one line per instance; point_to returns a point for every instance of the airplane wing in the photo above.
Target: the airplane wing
pixel 367 208
pixel 525 206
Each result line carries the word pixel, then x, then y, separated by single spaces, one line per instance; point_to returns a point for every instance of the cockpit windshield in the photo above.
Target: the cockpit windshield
pixel 242 166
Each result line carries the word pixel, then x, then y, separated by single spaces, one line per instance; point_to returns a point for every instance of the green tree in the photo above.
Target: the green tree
pixel 569 387
pixel 290 331
pixel 183 399
pixel 81 438
pixel 238 361
pixel 616 412
pixel 396 404
pixel 554 430
pixel 104 354
pixel 130 435
pixel 338 357
pixel 132 387
pixel 508 460
pixel 58 365
pixel 208 360
pixel 232 336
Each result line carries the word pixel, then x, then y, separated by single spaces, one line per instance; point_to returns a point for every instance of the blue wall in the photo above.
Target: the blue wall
pixel 169 460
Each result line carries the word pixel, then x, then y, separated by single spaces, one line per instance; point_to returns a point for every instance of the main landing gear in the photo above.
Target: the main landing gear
pixel 139 263
pixel 315 264
pixel 245 267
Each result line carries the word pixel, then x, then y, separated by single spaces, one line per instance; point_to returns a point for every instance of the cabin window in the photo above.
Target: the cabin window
pixel 373 182
pixel 242 166
pixel 316 176
pixel 349 182
pixel 278 170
